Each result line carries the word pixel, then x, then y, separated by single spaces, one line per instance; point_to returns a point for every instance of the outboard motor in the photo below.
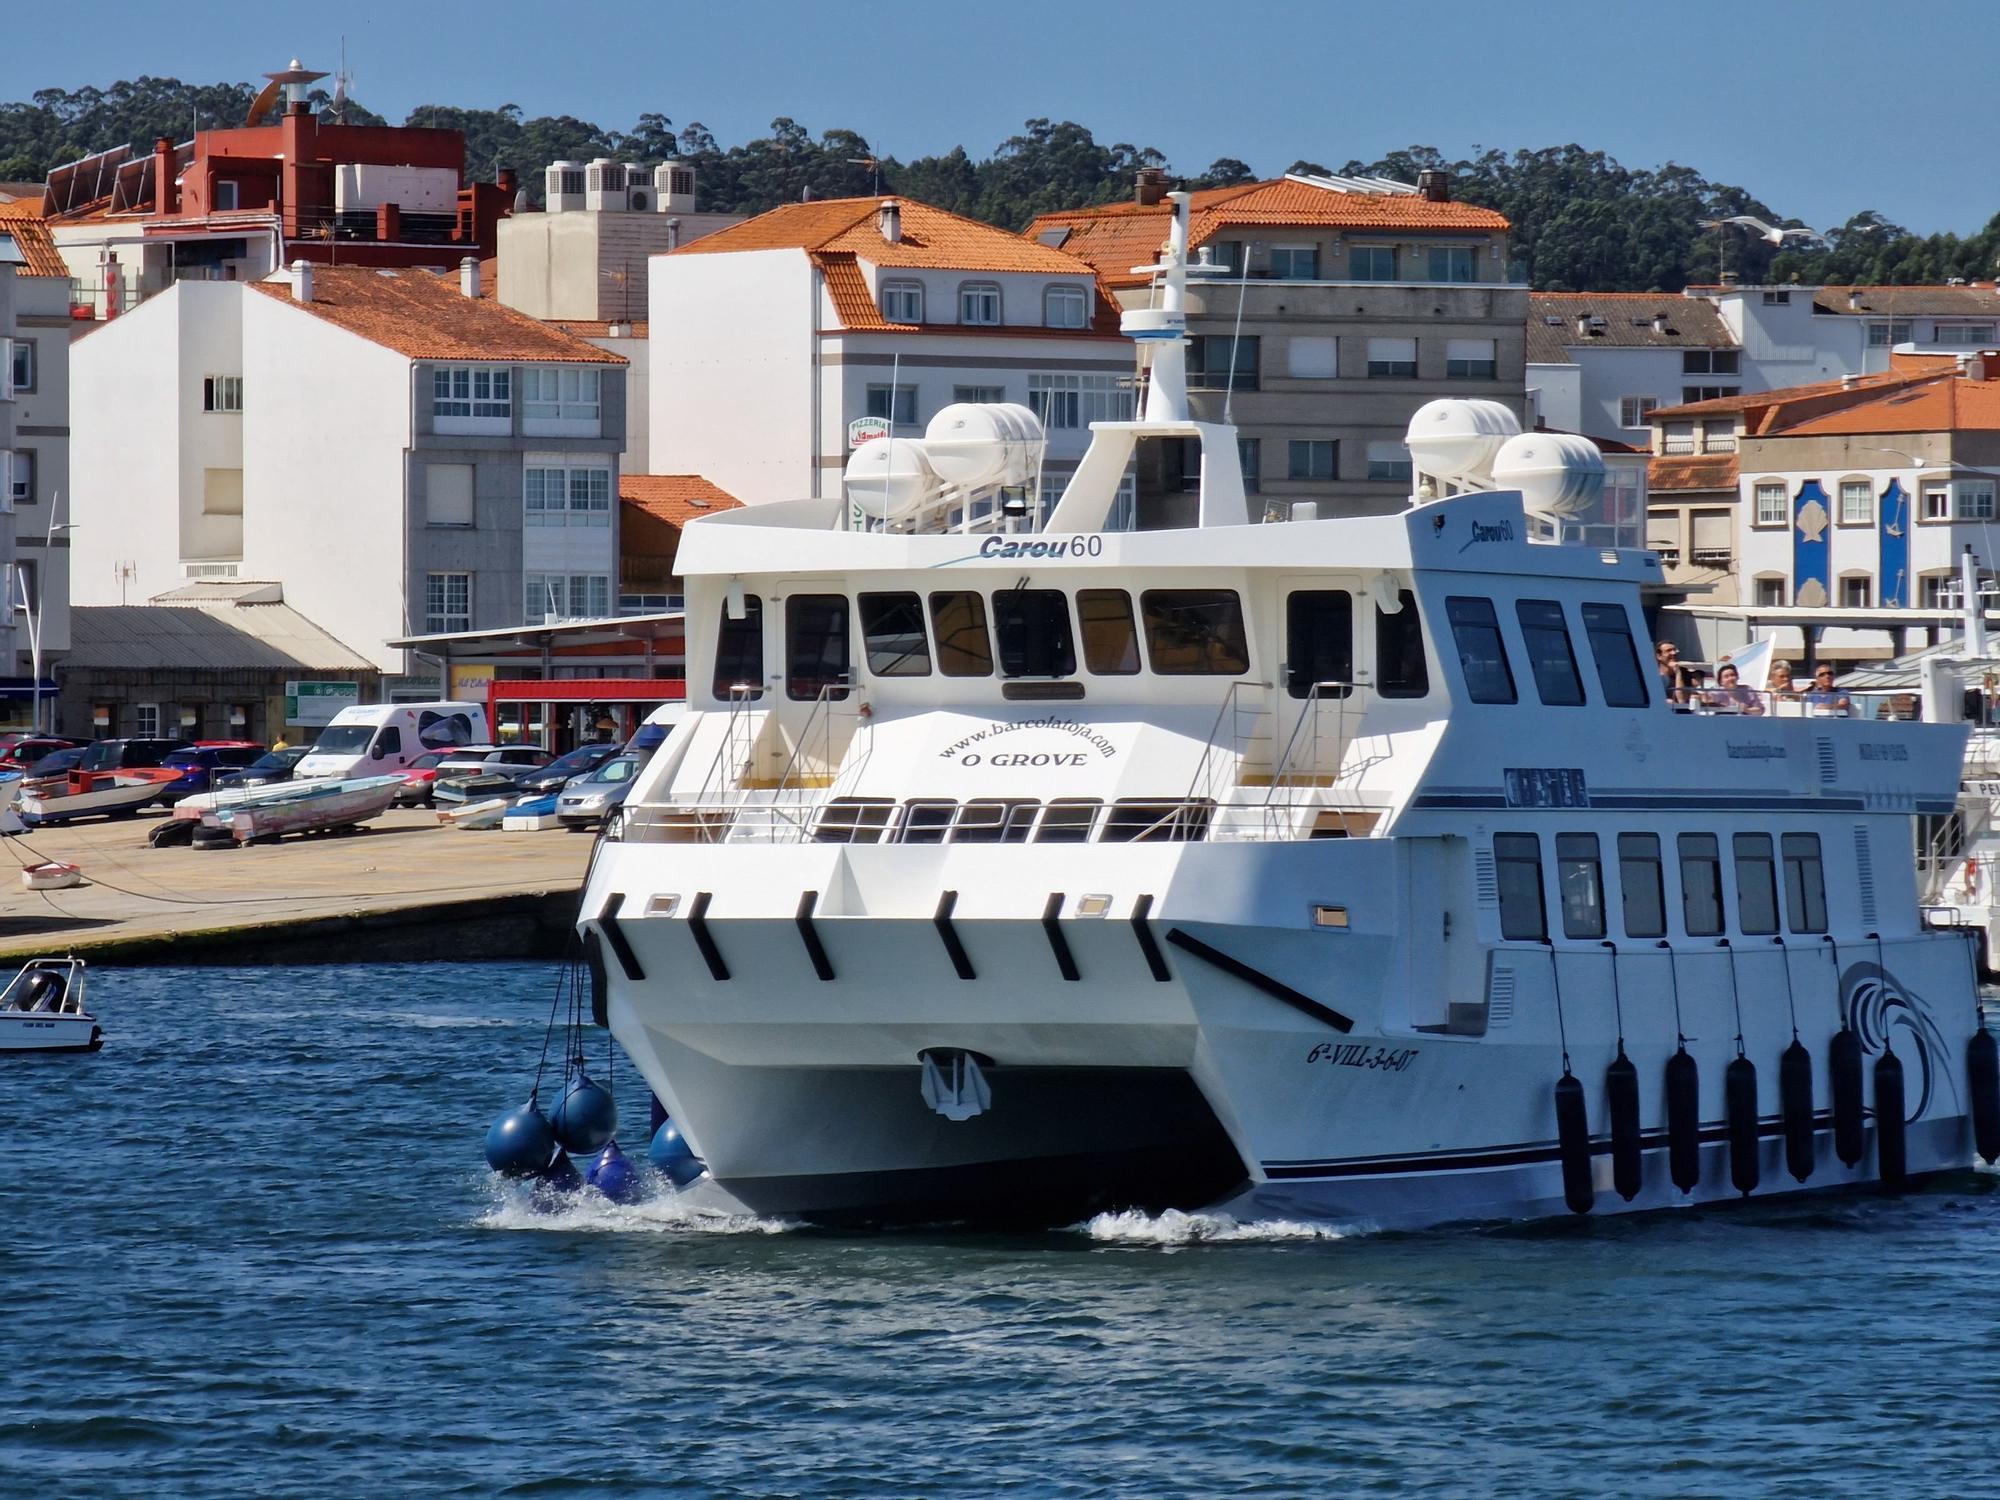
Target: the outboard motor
pixel 42 990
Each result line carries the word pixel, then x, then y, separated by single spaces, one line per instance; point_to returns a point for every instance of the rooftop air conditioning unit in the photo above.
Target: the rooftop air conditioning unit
pixel 604 185
pixel 673 188
pixel 563 189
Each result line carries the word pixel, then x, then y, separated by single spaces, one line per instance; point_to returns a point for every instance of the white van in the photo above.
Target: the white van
pixel 373 739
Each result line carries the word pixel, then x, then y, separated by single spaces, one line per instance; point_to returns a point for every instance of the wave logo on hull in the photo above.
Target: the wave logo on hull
pixel 1876 1004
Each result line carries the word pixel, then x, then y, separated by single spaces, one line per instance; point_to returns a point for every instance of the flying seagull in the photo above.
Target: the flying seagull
pixel 1764 231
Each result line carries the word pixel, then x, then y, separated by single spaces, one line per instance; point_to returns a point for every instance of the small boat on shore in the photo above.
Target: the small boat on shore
pixel 308 807
pixel 485 814
pixel 51 875
pixel 42 1010
pixel 94 794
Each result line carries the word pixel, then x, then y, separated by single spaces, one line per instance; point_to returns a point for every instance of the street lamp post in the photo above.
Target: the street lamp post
pixel 32 606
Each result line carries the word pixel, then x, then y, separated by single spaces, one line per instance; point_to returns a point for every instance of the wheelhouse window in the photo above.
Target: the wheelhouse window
pixel 1146 822
pixel 1517 861
pixel 1701 884
pixel 892 635
pixel 1065 306
pixel 903 301
pixel 1756 883
pixel 1580 885
pixel 1641 886
pixel 964 649
pixel 1482 655
pixel 1550 656
pixel 1611 646
pixel 1068 821
pixel 1400 668
pixel 1195 632
pixel 979 303
pixel 1319 643
pixel 1034 633
pixel 816 647
pixel 739 653
pixel 1805 883
pixel 927 822
pixel 1110 637
pixel 995 822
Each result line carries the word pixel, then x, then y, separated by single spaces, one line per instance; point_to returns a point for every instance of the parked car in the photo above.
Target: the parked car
pixel 53 767
pixel 594 798
pixel 564 769
pixel 267 769
pixel 420 776
pixel 125 755
pixel 198 766
pixel 23 750
pixel 492 777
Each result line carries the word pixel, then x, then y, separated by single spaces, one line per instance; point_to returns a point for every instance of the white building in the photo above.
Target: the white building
pixel 1600 362
pixel 400 455
pixel 769 339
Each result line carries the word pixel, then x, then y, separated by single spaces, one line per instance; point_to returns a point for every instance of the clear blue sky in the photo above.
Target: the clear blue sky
pixel 1821 109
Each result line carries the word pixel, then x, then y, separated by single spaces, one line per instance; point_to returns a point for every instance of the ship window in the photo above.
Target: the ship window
pixel 892 630
pixel 1550 656
pixel 1805 883
pixel 1067 822
pixel 1399 652
pixel 1034 633
pixel 1482 656
pixel 1319 642
pixel 1195 631
pixel 854 820
pixel 1110 639
pixel 1517 861
pixel 1156 822
pixel 1618 674
pixel 1756 883
pixel 995 823
pixel 927 822
pixel 1641 888
pixel 963 647
pixel 739 653
pixel 1701 884
pixel 816 656
pixel 1580 885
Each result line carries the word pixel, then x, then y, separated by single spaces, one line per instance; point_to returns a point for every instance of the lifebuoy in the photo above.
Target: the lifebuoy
pixel 1972 882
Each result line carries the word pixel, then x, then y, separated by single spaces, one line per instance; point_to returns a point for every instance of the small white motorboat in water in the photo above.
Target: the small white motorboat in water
pixel 42 1010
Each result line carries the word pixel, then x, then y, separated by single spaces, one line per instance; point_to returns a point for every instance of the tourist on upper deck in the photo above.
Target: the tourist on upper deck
pixel 1780 686
pixel 1729 696
pixel 1824 698
pixel 1673 676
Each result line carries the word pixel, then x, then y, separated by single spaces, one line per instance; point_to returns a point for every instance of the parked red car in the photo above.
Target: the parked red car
pixel 24 750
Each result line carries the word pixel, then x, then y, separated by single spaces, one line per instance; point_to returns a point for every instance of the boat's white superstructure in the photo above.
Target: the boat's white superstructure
pixel 1280 868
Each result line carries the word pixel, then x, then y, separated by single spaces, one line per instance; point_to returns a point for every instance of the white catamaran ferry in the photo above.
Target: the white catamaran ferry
pixel 1350 869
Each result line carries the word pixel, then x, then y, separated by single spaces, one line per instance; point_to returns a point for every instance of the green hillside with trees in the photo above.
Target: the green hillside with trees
pixel 1582 221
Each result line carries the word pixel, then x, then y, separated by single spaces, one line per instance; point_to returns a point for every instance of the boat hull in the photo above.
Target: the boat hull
pixel 39 1032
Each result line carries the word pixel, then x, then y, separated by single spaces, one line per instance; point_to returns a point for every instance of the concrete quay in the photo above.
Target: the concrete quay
pixel 402 887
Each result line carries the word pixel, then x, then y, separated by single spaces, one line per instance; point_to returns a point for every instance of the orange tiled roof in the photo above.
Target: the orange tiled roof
pixel 852 304
pixel 1708 471
pixel 931 238
pixel 1952 404
pixel 22 219
pixel 1118 236
pixel 425 316
pixel 1763 411
pixel 674 498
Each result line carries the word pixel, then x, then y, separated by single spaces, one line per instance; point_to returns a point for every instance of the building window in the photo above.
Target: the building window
pixel 1887 335
pixel 903 301
pixel 1312 458
pixel 1250 458
pixel 555 494
pixel 1517 862
pixel 979 304
pixel 228 196
pixel 1452 263
pixel 1770 592
pixel 1371 262
pixel 1777 299
pixel 1389 462
pixel 472 391
pixel 21 364
pixel 904 403
pixel 1963 335
pixel 1693 393
pixel 565 394
pixel 1209 363
pixel 1065 307
pixel 1771 507
pixel 447 602
pixel 1856 591
pixel 1634 410
pixel 20 477
pixel 1718 436
pixel 1677 438
pixel 1937 590
pixel 1071 401
pixel 647 604
pixel 1392 359
pixel 978 395
pixel 1312 357
pixel 568 596
pixel 1975 500
pixel 146 721
pixel 222 393
pixel 1295 262
pixel 1710 361
pixel 1936 500
pixel 1857 501
pixel 1470 359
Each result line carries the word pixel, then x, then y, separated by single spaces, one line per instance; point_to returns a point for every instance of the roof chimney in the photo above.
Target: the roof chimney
pixel 1659 322
pixel 505 179
pixel 468 276
pixel 1728 278
pixel 302 281
pixel 889 219
pixel 1583 325
pixel 163 175
pixel 1434 185
pixel 1149 186
pixel 1854 299
pixel 673 234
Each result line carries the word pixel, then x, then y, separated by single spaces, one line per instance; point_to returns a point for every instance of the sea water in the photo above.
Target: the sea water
pixel 251 1249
